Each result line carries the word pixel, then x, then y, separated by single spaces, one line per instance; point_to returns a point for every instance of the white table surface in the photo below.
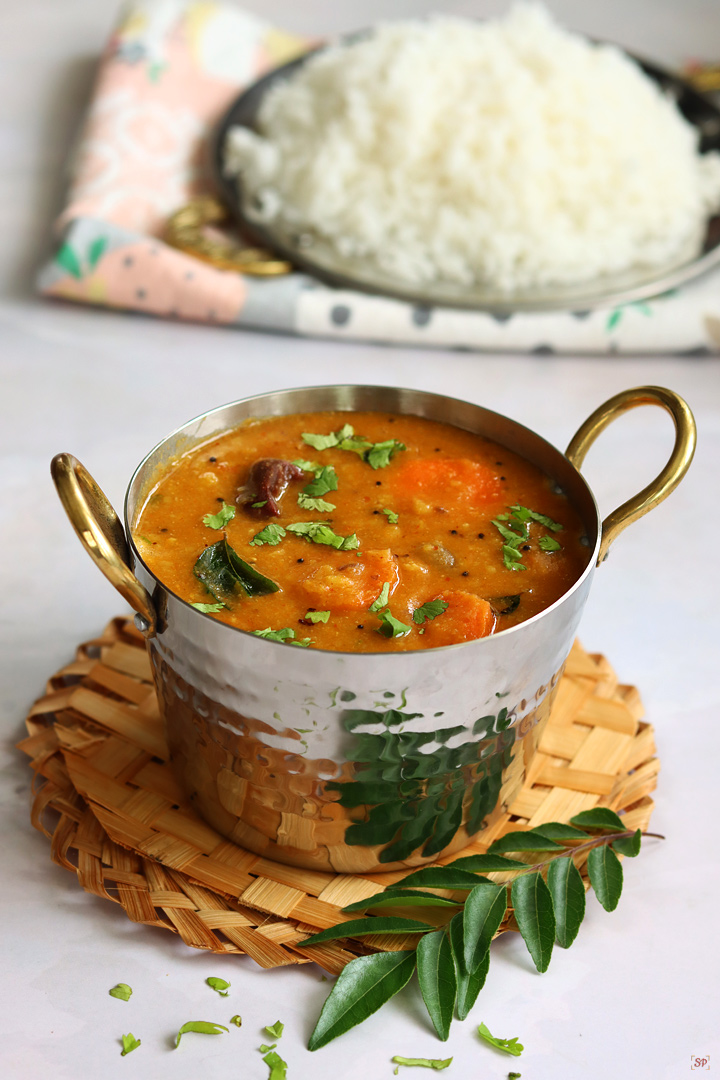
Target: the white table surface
pixel 637 995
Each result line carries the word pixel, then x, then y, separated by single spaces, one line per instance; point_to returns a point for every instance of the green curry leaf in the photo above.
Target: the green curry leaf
pixel 224 574
pixel 436 975
pixel 533 909
pixel 362 987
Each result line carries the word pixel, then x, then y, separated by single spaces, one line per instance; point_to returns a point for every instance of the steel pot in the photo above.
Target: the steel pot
pixel 356 762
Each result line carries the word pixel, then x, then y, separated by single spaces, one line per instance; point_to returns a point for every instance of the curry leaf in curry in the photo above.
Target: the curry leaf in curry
pixel 320 532
pixel 220 520
pixel 366 983
pixel 224 574
pixel 272 534
pixel 429 610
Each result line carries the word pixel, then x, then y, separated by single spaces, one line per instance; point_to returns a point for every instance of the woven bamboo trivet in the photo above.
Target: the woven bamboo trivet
pixel 122 825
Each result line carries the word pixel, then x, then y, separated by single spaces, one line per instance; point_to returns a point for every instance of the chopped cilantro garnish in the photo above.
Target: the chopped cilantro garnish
pixel 306 466
pixel 220 520
pixel 275 1030
pixel 430 1063
pixel 285 634
pixel 209 608
pixel 549 543
pixel 130 1043
pixel 317 616
pixel 320 532
pixel 271 534
pixel 390 515
pixel 510 1046
pixel 264 1047
pixel 219 985
pixel 377 455
pixel 390 626
pixel 429 610
pixel 201 1027
pixel 325 480
pixel 522 514
pixel 516 533
pixel 382 600
pixel 325 442
pixel 257 505
pixel 121 991
pixel 321 506
pixel 276 1065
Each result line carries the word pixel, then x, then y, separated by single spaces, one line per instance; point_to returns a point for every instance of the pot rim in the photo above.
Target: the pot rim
pixel 209 413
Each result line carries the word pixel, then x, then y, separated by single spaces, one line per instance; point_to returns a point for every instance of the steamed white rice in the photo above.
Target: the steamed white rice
pixel 509 152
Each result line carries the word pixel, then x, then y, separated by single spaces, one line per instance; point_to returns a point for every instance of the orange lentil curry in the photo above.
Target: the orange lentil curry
pixel 360 532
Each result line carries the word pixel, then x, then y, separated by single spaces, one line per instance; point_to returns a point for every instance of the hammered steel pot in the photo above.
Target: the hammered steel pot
pixel 356 762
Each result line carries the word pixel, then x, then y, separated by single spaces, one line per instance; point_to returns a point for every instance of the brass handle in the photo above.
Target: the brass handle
pixel 187 231
pixel 101 534
pixel 666 481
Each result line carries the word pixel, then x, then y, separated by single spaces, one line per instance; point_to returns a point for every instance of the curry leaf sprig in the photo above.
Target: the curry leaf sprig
pixel 547 899
pixel 515 531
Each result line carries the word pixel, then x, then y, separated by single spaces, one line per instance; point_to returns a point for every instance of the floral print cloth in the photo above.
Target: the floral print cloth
pixel 170 70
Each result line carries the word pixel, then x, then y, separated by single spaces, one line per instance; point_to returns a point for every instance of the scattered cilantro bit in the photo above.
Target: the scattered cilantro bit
pixel 257 505
pixel 278 1067
pixel 121 991
pixel 514 1076
pixel 382 600
pixel 377 455
pixel 390 515
pixel 320 532
pixel 306 466
pixel 429 610
pixel 208 609
pixel 321 506
pixel 236 1020
pixel 272 534
pixel 264 1048
pixel 522 514
pixel 515 531
pixel 202 1027
pixel 286 634
pixel 325 480
pixel 429 1063
pixel 325 442
pixel 130 1043
pixel 549 543
pixel 220 520
pixel 218 985
pixel 390 626
pixel 275 1030
pixel 317 616
pixel 510 1046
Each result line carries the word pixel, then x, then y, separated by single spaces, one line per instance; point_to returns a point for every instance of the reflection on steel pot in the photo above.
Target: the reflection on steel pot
pixel 357 762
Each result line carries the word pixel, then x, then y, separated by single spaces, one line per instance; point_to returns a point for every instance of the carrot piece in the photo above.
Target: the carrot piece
pixel 448 481
pixel 353 585
pixel 467 616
